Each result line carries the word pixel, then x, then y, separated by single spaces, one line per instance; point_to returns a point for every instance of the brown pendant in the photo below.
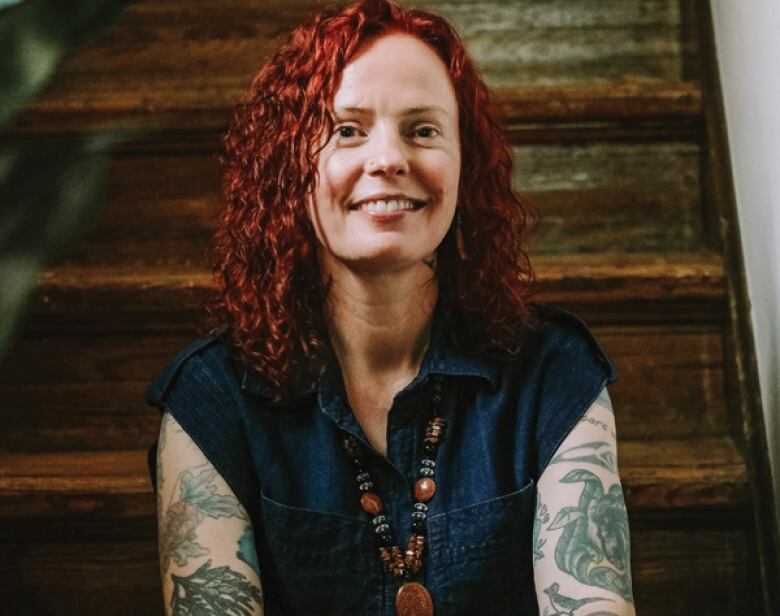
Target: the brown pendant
pixel 413 599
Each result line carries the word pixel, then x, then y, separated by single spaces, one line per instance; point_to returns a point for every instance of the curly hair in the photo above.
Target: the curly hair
pixel 269 292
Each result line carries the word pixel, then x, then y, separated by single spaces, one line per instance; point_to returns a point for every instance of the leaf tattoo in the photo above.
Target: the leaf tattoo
pixel 605 401
pixel 213 592
pixel 600 454
pixel 197 501
pixel 542 517
pixel 178 540
pixel 594 546
pixel 200 491
pixel 247 551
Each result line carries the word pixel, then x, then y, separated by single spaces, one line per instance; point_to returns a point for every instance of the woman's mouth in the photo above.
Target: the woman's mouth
pixel 388 206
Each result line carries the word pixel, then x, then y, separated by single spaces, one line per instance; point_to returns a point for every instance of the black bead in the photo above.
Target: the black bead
pixel 418 526
pixel 430 449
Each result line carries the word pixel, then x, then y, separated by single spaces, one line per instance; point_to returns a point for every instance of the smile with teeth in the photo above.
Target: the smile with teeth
pixel 393 205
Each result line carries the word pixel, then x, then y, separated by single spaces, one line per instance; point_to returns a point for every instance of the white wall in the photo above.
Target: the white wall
pixel 747 38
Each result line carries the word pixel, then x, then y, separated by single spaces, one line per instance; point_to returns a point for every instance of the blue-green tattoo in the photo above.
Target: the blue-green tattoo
pixel 247 551
pixel 594 547
pixel 213 591
pixel 542 517
pixel 566 606
pixel 597 452
pixel 198 500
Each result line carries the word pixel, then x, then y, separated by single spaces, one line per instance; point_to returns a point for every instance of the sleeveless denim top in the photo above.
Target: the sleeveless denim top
pixel 506 412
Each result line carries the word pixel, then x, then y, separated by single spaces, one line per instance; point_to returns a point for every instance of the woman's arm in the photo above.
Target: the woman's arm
pixel 208 561
pixel 581 546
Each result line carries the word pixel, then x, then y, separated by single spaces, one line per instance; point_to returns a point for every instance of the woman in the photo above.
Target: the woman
pixel 382 422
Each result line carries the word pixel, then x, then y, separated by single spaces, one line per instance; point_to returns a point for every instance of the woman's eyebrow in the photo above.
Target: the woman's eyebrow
pixel 406 112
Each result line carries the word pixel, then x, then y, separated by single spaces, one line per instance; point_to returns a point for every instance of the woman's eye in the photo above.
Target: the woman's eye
pixel 426 131
pixel 346 131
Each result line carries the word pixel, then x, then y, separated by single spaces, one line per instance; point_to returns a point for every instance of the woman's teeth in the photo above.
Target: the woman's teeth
pixel 386 206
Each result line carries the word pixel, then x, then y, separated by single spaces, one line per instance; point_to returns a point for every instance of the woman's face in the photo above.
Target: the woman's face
pixel 388 176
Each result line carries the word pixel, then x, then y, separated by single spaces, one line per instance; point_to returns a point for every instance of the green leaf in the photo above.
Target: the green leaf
pixel 578 475
pixel 186 548
pixel 50 193
pixel 36 35
pixel 565 516
pixel 213 592
pixel 222 506
pixel 609 579
pixel 200 488
pixel 247 551
pixel 49 190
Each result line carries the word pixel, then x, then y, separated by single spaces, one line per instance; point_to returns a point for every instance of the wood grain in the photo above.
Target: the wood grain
pixel 70 392
pixel 600 287
pixel 663 475
pixel 173 67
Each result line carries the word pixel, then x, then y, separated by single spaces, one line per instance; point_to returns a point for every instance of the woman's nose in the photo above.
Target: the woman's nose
pixel 387 155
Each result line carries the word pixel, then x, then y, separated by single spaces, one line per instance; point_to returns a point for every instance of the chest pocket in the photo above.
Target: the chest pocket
pixel 480 557
pixel 325 562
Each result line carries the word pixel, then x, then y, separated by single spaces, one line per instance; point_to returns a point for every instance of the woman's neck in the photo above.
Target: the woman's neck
pixel 380 323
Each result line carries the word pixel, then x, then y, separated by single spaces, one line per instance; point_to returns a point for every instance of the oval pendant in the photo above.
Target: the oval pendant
pixel 413 599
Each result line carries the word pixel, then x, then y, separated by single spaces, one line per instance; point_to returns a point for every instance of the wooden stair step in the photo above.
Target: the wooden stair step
pixel 71 391
pixel 171 106
pixel 178 68
pixel 700 473
pixel 163 200
pixel 639 286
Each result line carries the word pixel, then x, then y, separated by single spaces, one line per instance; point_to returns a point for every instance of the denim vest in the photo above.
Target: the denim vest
pixel 506 412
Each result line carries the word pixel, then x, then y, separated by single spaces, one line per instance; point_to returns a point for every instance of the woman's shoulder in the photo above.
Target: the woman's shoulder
pixel 557 339
pixel 562 331
pixel 202 368
pixel 551 334
pixel 199 388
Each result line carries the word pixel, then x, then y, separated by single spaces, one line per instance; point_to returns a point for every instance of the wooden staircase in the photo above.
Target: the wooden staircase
pixel 614 112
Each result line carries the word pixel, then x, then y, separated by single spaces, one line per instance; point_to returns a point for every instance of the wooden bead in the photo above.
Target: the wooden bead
pixel 424 489
pixel 371 503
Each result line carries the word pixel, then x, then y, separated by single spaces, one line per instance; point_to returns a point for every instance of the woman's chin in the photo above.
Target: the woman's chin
pixel 387 260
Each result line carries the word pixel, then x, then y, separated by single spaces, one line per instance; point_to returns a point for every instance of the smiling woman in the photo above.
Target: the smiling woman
pixel 381 421
pixel 388 175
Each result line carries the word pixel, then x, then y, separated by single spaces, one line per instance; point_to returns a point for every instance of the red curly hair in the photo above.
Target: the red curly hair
pixel 269 289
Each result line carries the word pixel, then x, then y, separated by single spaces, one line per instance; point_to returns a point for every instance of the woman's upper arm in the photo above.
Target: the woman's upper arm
pixel 581 546
pixel 206 543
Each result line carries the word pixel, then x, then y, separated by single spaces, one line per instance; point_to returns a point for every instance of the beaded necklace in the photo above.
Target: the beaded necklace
pixel 412 599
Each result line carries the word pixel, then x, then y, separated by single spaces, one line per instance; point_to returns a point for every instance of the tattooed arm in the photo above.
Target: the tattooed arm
pixel 581 541
pixel 208 561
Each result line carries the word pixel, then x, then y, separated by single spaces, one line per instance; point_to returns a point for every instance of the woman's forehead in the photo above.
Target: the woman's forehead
pixel 396 70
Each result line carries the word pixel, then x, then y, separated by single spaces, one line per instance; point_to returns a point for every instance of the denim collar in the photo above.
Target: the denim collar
pixel 451 352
